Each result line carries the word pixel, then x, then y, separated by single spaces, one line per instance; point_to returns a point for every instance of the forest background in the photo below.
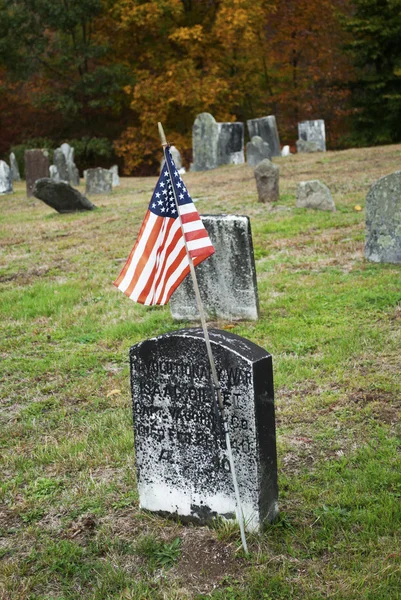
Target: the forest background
pixel 101 73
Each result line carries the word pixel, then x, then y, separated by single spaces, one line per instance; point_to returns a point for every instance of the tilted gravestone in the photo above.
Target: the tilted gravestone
pixel 312 136
pixel 227 279
pixel 383 220
pixel 314 194
pixel 73 173
pixel 257 150
pixel 61 196
pixel 36 167
pixel 60 162
pixel 15 174
pixel 266 128
pixel 216 144
pixel 6 183
pixel 180 450
pixel 267 181
pixel 98 181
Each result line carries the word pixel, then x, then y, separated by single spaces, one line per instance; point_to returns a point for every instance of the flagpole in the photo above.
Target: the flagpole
pixel 213 369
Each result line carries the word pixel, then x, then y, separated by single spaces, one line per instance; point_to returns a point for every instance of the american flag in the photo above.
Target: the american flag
pixel 158 262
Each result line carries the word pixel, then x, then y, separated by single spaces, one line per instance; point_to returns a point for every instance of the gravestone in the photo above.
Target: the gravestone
pixel 98 181
pixel 266 128
pixel 180 450
pixel 285 151
pixel 115 182
pixel 267 181
pixel 227 279
pixel 314 194
pixel 60 162
pixel 61 196
pixel 216 144
pixel 73 173
pixel 257 150
pixel 383 220
pixel 6 183
pixel 311 131
pixel 54 174
pixel 15 174
pixel 175 153
pixel 36 167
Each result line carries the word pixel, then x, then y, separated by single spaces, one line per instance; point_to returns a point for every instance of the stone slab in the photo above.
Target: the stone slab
pixel 6 182
pixel 36 167
pixel 314 194
pixel 116 178
pixel 312 131
pixel 98 181
pixel 257 150
pixel 61 196
pixel 383 220
pixel 180 451
pixel 227 279
pixel 73 173
pixel 216 144
pixel 266 128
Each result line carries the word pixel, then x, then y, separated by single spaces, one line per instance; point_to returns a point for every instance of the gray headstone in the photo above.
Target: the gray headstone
pixel 73 173
pixel 15 175
pixel 61 196
pixel 303 146
pixel 227 279
pixel 175 153
pixel 266 128
pixel 36 167
pixel 116 179
pixel 312 131
pixel 54 174
pixel 267 181
pixel 216 144
pixel 257 150
pixel 60 162
pixel 6 183
pixel 285 151
pixel 180 450
pixel 314 194
pixel 383 220
pixel 98 181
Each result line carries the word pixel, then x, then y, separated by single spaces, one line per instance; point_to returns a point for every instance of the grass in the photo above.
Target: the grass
pixel 70 525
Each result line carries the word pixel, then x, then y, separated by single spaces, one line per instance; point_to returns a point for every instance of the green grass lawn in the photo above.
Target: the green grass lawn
pixel 70 525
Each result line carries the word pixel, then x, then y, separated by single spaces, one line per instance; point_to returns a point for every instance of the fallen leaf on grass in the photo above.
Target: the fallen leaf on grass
pixel 113 393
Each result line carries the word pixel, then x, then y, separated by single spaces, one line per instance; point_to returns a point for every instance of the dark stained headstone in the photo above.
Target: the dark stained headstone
pixel 230 145
pixel 61 196
pixel 36 167
pixel 383 220
pixel 311 136
pixel 180 450
pixel 266 128
pixel 98 181
pixel 216 144
pixel 227 279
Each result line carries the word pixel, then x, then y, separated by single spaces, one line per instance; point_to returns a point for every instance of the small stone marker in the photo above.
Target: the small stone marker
pixel 98 181
pixel 257 150
pixel 180 451
pixel 266 128
pixel 36 167
pixel 285 151
pixel 227 279
pixel 383 220
pixel 267 181
pixel 314 194
pixel 116 179
pixel 216 144
pixel 73 173
pixel 6 183
pixel 15 174
pixel 61 196
pixel 313 132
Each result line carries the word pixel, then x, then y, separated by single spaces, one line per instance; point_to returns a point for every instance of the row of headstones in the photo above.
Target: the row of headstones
pixel 215 144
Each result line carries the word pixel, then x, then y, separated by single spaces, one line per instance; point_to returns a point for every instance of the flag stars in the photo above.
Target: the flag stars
pixel 162 184
pixel 165 173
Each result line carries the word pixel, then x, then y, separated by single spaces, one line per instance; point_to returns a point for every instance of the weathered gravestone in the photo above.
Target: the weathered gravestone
pixel 257 150
pixel 267 181
pixel 180 450
pixel 314 194
pixel 227 279
pixel 15 174
pixel 6 183
pixel 216 144
pixel 312 136
pixel 60 162
pixel 73 173
pixel 61 196
pixel 115 182
pixel 98 181
pixel 54 174
pixel 36 167
pixel 175 153
pixel 266 128
pixel 383 220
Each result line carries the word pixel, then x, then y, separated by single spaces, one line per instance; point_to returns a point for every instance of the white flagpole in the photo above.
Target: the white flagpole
pixel 215 378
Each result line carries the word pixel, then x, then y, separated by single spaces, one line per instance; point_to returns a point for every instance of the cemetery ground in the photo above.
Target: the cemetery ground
pixel 70 523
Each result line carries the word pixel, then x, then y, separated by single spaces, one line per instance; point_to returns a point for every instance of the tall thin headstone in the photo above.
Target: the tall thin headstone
pixel 6 183
pixel 216 144
pixel 73 173
pixel 60 162
pixel 15 174
pixel 36 167
pixel 266 128
pixel 180 451
pixel 227 279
